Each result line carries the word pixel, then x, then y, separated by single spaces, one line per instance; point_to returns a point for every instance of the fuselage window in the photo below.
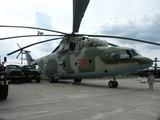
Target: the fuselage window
pixel 114 56
pixel 124 55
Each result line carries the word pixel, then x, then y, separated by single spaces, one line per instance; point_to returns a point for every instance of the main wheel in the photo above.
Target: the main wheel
pixel 77 80
pixel 52 80
pixel 3 92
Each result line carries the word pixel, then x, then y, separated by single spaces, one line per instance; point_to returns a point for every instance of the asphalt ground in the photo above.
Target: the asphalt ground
pixel 90 100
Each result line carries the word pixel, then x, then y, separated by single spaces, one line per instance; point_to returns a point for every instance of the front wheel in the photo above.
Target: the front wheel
pixel 113 84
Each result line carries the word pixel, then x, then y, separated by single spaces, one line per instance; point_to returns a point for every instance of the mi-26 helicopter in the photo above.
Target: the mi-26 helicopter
pixel 81 56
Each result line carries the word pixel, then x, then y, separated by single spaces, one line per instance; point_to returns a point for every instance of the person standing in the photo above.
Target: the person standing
pixel 151 81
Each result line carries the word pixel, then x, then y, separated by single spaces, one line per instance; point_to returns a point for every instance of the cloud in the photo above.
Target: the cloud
pixel 145 28
pixel 41 18
pixel 44 19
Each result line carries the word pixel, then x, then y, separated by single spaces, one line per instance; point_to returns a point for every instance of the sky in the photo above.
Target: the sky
pixel 138 19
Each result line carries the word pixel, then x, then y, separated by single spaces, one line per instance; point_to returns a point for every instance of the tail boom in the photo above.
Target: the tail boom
pixel 29 58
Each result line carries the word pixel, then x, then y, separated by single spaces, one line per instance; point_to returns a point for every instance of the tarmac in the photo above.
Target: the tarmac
pixel 91 99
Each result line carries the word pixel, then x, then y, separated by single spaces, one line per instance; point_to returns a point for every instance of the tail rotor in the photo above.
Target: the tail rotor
pixel 20 53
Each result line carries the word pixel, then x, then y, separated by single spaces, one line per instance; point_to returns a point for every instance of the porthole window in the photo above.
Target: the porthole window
pixel 114 56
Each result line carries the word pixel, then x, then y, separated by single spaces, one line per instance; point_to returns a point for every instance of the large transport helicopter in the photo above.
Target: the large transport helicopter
pixel 84 56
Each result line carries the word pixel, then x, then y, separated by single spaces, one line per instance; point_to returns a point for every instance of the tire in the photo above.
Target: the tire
pixel 111 84
pixel 3 92
pixel 52 80
pixel 116 84
pixel 38 80
pixel 77 80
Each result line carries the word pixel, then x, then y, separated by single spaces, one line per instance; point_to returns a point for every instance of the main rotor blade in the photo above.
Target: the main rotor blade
pixel 125 38
pixel 32 28
pixel 27 36
pixel 33 44
pixel 79 8
pixel 112 44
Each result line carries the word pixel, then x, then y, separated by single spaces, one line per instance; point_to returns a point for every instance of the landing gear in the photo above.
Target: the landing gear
pixel 113 84
pixel 77 80
pixel 52 80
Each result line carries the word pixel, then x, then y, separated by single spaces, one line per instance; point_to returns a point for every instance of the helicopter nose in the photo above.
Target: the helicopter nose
pixel 145 62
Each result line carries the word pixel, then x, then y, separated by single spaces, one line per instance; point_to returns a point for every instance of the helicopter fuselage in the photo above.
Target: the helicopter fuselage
pixel 90 58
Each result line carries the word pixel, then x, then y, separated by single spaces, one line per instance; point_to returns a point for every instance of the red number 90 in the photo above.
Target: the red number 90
pixel 83 63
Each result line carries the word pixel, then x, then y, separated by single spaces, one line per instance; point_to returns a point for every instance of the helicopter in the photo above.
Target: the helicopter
pixel 81 56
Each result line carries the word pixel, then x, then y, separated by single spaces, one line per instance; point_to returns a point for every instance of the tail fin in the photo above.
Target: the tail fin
pixel 29 58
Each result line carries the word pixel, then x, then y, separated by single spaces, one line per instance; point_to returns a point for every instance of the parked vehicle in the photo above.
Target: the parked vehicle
pixel 146 73
pixel 31 73
pixel 15 73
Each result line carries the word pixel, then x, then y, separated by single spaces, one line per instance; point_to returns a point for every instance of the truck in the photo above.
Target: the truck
pixel 15 73
pixel 146 73
pixel 31 73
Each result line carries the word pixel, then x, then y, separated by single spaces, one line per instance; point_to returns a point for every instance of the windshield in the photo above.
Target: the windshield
pixel 134 53
pixel 13 67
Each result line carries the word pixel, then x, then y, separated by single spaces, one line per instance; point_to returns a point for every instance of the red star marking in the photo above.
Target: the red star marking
pixel 45 63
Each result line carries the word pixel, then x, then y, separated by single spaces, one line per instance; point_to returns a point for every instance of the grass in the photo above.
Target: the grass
pixel 43 77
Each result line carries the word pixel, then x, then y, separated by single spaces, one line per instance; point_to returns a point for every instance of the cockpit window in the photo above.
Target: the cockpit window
pixel 134 53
